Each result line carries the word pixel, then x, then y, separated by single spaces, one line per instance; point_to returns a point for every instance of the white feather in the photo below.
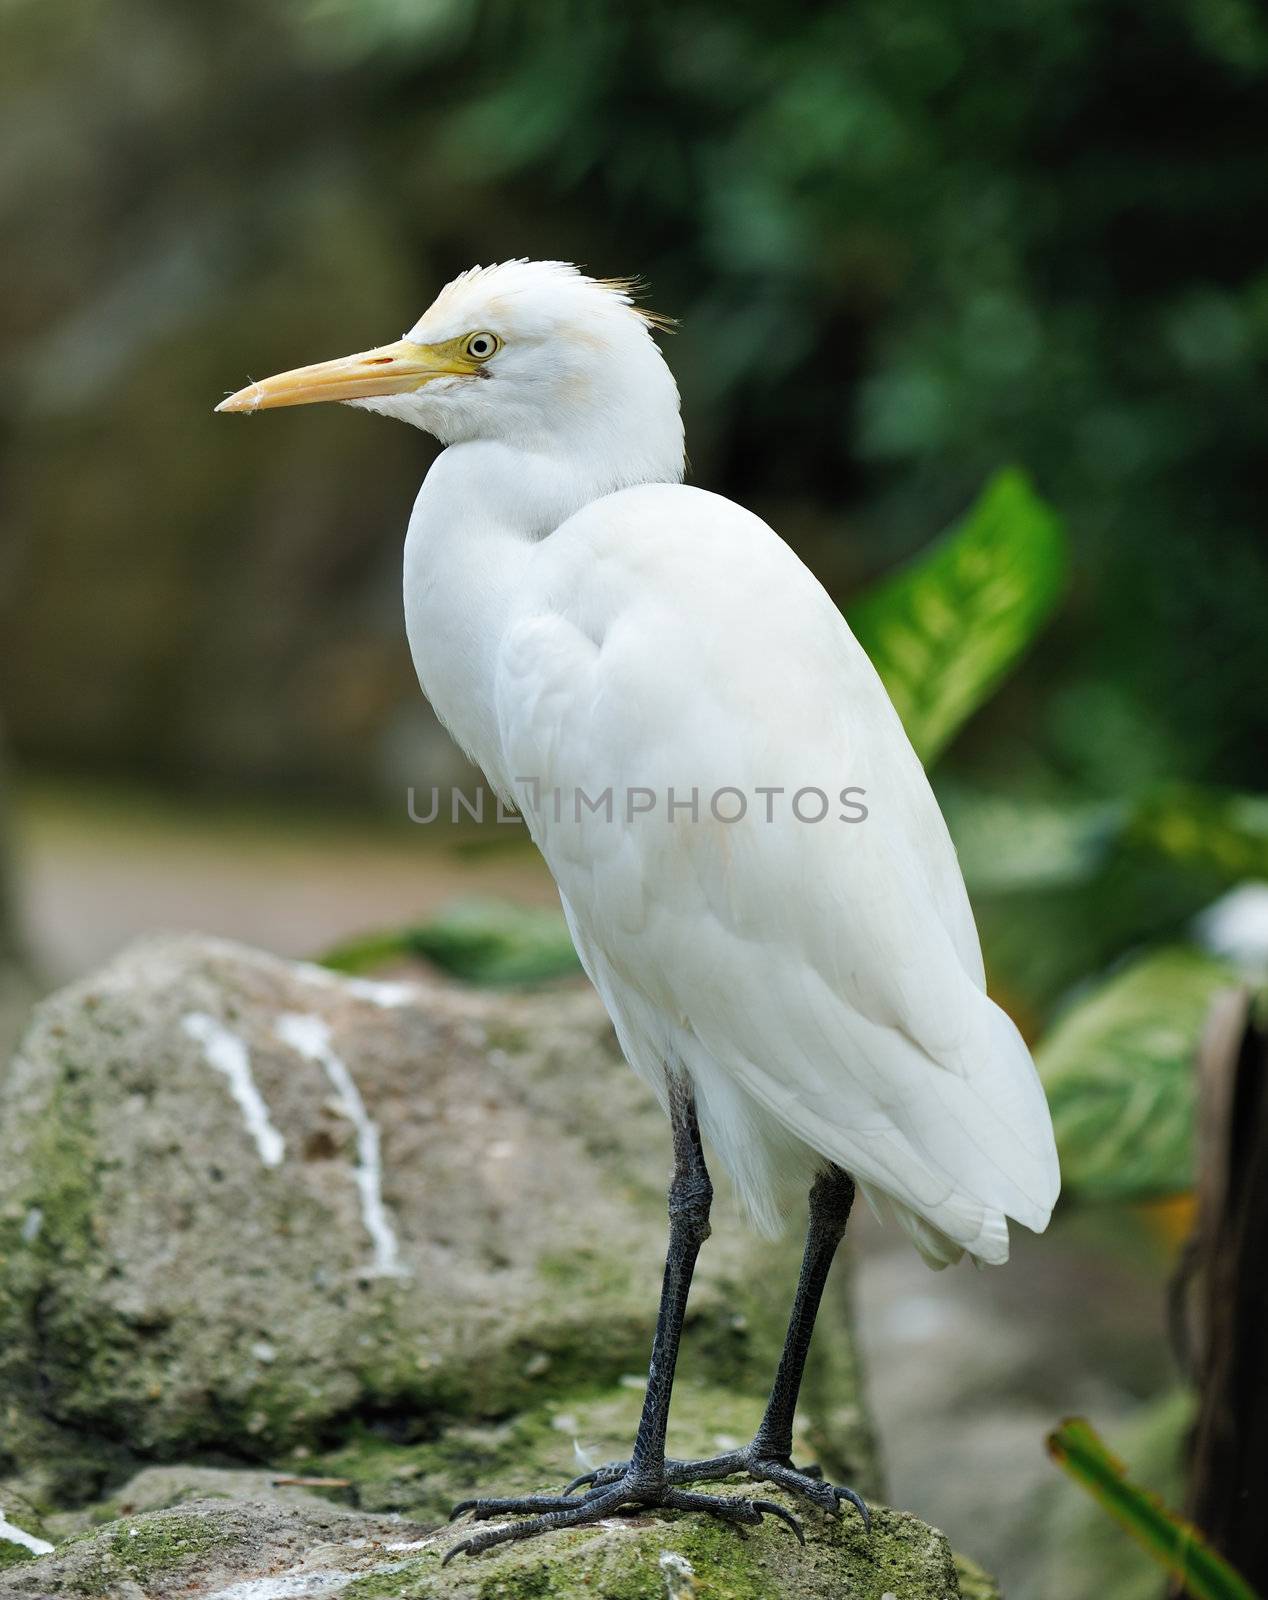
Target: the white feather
pixel 580 619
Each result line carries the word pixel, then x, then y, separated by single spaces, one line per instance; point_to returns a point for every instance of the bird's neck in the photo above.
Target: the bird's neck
pixel 481 515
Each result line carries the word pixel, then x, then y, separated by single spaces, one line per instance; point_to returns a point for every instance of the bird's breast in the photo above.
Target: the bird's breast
pixel 461 579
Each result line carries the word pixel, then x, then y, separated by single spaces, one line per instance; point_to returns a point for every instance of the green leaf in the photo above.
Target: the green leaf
pixel 1219 833
pixel 1095 1558
pixel 945 629
pixel 1118 1071
pixel 1009 844
pixel 1063 887
pixel 1174 1543
pixel 487 942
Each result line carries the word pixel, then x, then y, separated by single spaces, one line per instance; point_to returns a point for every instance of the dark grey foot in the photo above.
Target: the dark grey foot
pixel 754 1461
pixel 624 1493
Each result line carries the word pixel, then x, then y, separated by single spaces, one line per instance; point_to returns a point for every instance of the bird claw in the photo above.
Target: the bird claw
pixel 481 1509
pixel 559 1511
pixel 808 1481
pixel 856 1500
pixel 599 1477
pixel 749 1512
pixel 771 1509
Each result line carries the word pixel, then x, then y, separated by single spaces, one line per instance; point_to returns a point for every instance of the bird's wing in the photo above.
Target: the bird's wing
pixel 671 641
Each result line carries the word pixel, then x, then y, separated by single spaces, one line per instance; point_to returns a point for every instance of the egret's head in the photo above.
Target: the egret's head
pixel 534 353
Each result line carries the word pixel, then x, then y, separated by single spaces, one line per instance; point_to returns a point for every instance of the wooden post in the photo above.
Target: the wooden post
pixel 1223 1291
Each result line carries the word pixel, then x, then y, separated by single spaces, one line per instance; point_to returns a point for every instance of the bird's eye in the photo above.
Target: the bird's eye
pixel 480 346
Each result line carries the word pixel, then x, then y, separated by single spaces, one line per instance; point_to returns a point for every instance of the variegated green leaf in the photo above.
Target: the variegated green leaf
pixel 1118 1069
pixel 488 942
pixel 1217 832
pixel 946 628
pixel 1174 1543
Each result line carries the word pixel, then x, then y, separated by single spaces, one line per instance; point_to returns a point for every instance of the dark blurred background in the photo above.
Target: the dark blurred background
pixel 907 243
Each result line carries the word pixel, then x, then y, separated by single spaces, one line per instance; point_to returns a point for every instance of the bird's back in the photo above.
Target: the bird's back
pixel 821 980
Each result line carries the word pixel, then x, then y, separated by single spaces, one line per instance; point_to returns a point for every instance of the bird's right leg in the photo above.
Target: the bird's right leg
pixel 642 1480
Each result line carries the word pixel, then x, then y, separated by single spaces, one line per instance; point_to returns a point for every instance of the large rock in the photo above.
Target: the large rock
pixel 250 1208
pixel 177 1534
pixel 401 1241
pixel 210 1533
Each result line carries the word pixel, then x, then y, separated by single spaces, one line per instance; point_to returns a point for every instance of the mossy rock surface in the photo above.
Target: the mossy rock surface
pixel 238 1536
pixel 249 1208
pixel 402 1244
pixel 209 1545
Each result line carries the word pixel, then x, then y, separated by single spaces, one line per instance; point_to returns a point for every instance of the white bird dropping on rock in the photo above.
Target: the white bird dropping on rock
pixel 11 1533
pixel 230 1057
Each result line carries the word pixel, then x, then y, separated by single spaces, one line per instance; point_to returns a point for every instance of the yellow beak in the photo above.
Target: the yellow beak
pixel 391 369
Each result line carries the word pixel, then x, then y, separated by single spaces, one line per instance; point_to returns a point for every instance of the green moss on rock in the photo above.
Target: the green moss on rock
pixel 142 1551
pixel 208 1543
pixel 237 1526
pixel 155 1546
pixel 534 1448
pixel 626 1559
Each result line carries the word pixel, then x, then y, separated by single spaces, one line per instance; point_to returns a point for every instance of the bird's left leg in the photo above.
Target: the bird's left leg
pixel 769 1457
pixel 642 1480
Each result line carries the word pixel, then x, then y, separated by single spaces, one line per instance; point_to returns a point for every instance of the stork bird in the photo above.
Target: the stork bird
pixel 658 681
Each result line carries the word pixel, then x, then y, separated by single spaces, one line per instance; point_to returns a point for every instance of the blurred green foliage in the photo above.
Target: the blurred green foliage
pixel 485 942
pixel 945 629
pixel 1118 1070
pixel 1064 889
pixel 1086 1550
pixel 907 242
pixel 1174 1543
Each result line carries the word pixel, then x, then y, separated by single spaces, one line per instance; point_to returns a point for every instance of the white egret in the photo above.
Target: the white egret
pixel 653 675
